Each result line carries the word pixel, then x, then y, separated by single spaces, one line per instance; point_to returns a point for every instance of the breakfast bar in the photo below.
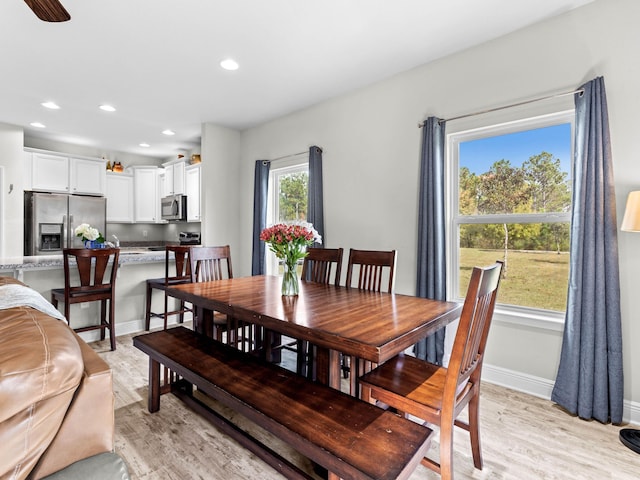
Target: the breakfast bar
pixel 136 264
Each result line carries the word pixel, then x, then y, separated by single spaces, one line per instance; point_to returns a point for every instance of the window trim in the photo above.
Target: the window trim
pixel 279 168
pixel 520 315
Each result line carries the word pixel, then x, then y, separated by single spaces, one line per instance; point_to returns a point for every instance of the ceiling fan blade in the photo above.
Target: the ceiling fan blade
pixel 49 10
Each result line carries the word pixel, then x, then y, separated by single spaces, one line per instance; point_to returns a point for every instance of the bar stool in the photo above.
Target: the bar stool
pixel 182 274
pixel 92 266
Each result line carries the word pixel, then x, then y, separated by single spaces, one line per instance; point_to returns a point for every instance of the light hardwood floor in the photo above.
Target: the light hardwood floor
pixel 523 437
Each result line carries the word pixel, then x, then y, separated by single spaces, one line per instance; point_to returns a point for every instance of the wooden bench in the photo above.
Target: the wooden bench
pixel 351 438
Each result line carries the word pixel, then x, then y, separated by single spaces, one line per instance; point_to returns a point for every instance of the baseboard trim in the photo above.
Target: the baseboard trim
pixel 542 388
pixel 131 327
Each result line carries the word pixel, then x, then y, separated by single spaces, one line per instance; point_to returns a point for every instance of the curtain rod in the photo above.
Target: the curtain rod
pixel 290 156
pixel 526 102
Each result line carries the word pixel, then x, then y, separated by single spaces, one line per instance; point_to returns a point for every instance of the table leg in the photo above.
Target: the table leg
pixel 203 321
pixel 154 385
pixel 328 367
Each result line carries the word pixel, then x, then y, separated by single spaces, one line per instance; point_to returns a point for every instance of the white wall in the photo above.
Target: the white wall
pixel 11 156
pixel 221 186
pixel 371 152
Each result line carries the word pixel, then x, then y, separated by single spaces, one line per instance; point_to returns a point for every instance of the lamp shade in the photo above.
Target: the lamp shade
pixel 631 220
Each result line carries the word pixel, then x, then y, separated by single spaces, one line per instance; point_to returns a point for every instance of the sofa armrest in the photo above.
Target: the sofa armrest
pixel 88 427
pixel 40 370
pixel 105 466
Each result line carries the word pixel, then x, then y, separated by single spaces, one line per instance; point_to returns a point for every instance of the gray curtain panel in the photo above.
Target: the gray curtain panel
pixel 315 204
pixel 431 282
pixel 590 380
pixel 260 190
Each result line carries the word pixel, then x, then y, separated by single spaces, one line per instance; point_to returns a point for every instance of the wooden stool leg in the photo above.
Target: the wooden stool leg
pixel 103 318
pixel 147 313
pixel 166 306
pixel 112 324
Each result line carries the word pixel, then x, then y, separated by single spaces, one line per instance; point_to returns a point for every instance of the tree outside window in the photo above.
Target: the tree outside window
pixel 292 196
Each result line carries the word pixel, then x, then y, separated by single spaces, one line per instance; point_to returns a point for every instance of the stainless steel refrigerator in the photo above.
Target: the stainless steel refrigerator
pixel 51 218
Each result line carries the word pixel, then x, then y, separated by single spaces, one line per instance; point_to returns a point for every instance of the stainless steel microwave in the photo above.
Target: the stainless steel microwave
pixel 174 208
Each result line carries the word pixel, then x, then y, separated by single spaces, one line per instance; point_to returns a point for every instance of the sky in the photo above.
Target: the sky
pixel 479 155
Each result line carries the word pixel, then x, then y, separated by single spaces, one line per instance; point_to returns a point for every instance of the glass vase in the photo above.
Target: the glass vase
pixel 290 284
pixel 93 244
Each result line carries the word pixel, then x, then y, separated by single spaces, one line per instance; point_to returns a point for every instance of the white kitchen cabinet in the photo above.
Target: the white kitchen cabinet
pixel 49 173
pixel 192 187
pixel 119 198
pixel 52 172
pixel 174 181
pixel 146 201
pixel 87 176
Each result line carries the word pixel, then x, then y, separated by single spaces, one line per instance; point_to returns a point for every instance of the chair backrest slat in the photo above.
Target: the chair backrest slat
pixel 319 262
pixel 182 267
pixel 372 265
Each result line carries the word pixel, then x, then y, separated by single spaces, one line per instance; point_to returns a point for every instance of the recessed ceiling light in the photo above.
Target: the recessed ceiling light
pixel 51 105
pixel 37 125
pixel 168 132
pixel 145 145
pixel 229 64
pixel 107 108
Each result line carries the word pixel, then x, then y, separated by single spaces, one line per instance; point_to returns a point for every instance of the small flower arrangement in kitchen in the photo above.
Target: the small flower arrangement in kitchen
pixel 90 235
pixel 289 242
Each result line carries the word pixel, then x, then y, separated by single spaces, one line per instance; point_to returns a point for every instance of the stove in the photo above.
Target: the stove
pixel 189 238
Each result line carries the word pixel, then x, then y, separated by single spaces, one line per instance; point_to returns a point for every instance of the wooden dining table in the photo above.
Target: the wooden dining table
pixel 369 326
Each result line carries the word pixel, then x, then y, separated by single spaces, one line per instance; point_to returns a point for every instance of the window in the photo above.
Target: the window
pixel 288 186
pixel 511 201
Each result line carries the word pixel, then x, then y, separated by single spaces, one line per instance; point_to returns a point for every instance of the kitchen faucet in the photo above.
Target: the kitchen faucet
pixel 117 241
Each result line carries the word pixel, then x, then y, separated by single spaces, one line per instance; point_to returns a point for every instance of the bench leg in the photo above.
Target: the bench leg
pixel 154 385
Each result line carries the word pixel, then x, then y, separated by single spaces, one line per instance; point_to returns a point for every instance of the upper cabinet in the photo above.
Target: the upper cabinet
pixel 146 203
pixel 87 176
pixel 119 198
pixel 192 186
pixel 49 172
pixel 174 181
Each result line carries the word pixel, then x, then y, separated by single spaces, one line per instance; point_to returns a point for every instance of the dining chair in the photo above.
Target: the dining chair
pixel 211 264
pixel 319 266
pixel 437 394
pixel 180 273
pixel 372 267
pixel 95 281
pixel 367 269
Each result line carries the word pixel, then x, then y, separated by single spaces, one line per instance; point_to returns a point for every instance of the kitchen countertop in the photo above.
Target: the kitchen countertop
pixel 128 255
